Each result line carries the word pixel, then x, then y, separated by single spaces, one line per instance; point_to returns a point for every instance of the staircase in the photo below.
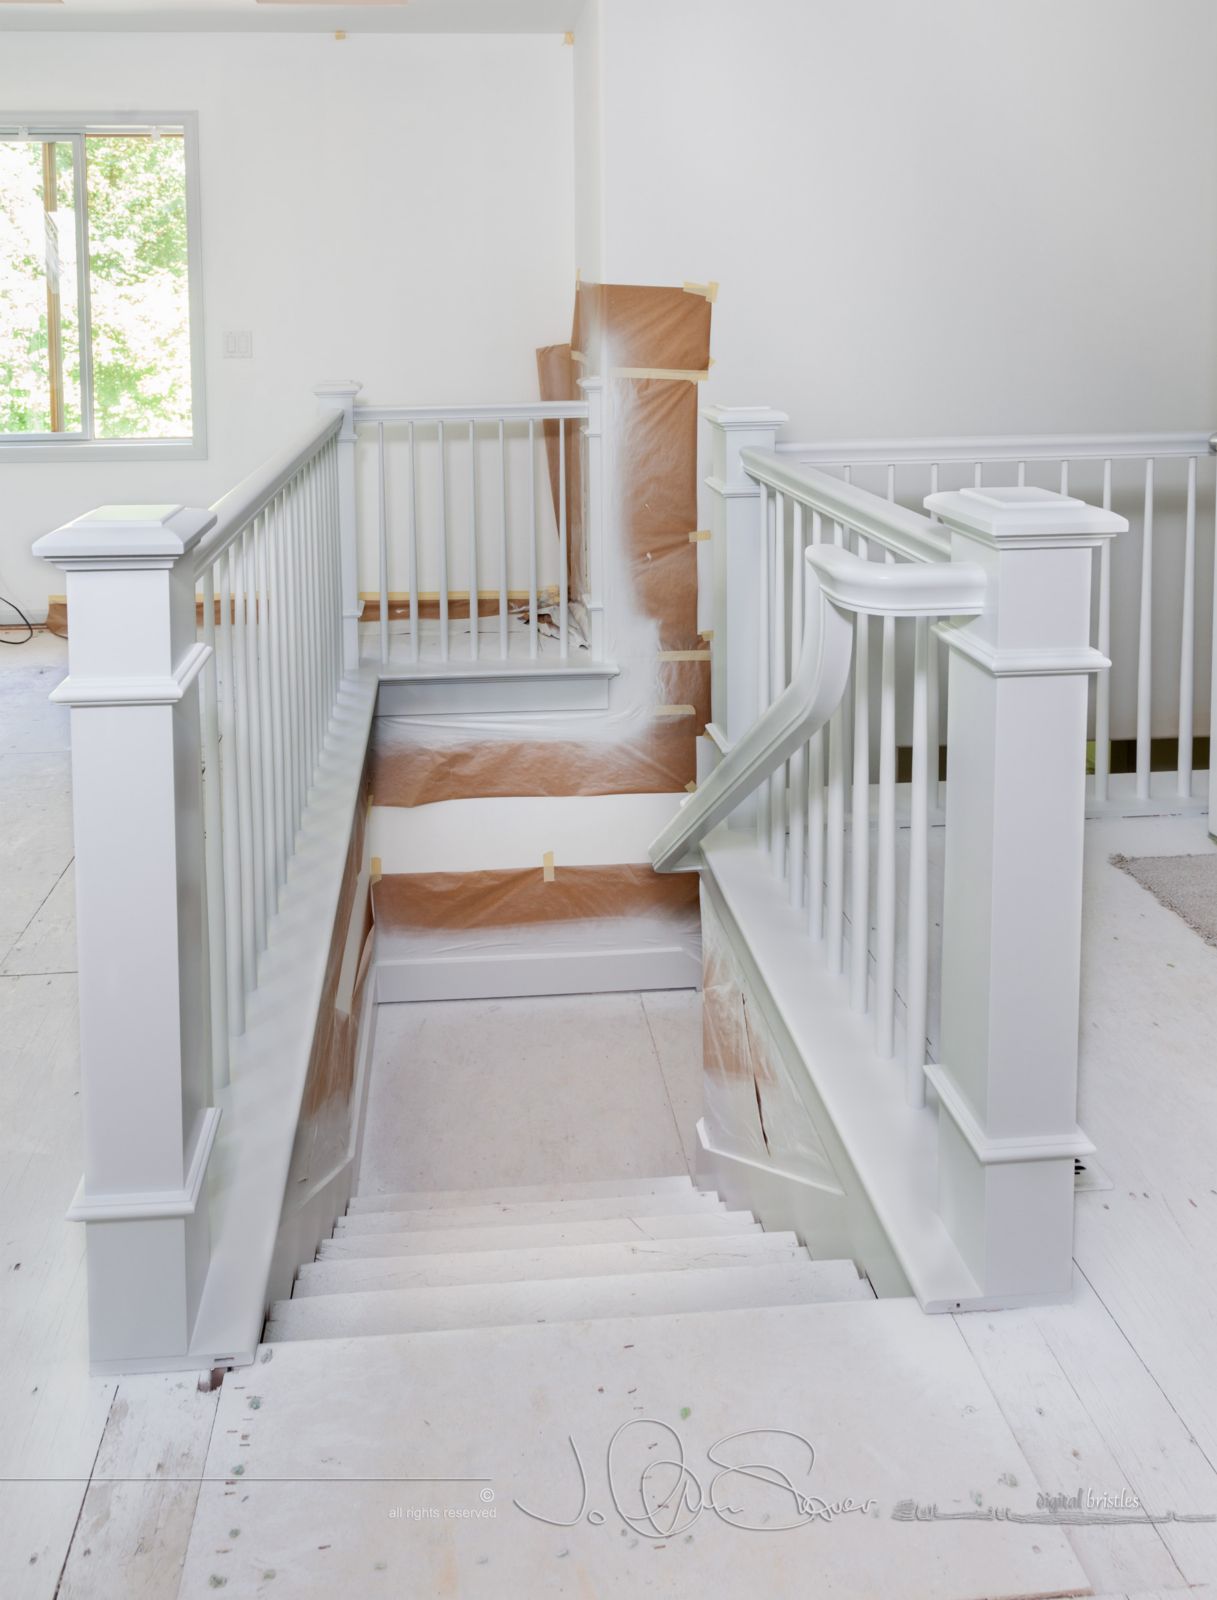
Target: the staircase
pixel 568 1252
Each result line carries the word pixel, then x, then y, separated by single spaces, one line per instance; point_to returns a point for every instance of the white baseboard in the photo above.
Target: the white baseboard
pixel 503 976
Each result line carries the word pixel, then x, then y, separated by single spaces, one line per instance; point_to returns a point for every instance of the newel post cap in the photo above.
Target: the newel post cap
pixel 1026 517
pixel 124 534
pixel 734 417
pixel 341 389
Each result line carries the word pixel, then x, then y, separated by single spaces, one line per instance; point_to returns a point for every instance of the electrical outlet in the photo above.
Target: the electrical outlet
pixel 238 346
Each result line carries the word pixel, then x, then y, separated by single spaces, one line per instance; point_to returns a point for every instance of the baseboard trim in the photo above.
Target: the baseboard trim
pixel 540 972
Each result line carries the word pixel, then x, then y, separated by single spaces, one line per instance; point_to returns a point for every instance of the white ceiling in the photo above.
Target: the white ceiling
pixel 238 16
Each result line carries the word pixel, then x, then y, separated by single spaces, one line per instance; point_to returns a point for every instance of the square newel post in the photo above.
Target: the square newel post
pixel 145 1046
pixel 595 600
pixel 1012 918
pixel 736 564
pixel 340 396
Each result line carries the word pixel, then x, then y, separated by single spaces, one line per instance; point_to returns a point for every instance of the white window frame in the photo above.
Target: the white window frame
pixel 72 126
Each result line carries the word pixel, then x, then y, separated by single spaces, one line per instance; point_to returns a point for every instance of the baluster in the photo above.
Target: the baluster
pixel 919 844
pixel 502 541
pixel 443 547
pixel 834 914
pixel 230 830
pixel 532 539
pixel 244 765
pixel 977 474
pixel 885 886
pixel 335 539
pixel 815 804
pixel 859 859
pixel 296 692
pixel 412 543
pixel 382 534
pixel 1022 474
pixel 764 602
pixel 213 841
pixel 1146 641
pixel 563 563
pixel 798 761
pixel 777 682
pixel 266 733
pixel 1102 690
pixel 253 694
pixel 1187 641
pixel 274 621
pixel 1064 477
pixel 474 604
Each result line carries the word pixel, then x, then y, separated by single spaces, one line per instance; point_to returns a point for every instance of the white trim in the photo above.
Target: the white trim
pixel 769 1168
pixel 454 977
pixel 134 691
pixel 158 1204
pixel 999 447
pixel 516 411
pixel 1020 663
pixel 990 1151
pixel 86 447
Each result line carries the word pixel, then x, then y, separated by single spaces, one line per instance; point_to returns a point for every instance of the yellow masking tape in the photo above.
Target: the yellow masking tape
pixel 708 291
pixel 671 373
pixel 375 869
pixel 547 867
pixel 691 786
pixel 707 634
pixel 675 711
pixel 699 534
pixel 568 38
pixel 684 655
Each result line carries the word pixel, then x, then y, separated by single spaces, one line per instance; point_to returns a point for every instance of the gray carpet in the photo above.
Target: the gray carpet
pixel 1186 885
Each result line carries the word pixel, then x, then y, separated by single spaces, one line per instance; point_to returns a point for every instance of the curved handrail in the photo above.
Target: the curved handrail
pixel 254 493
pixel 839 585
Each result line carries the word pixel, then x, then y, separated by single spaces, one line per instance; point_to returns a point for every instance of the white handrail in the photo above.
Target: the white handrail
pixel 839 585
pixel 999 447
pixel 905 532
pixel 238 508
pixel 519 411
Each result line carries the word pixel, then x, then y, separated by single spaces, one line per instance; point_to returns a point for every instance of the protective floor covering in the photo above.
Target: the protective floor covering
pixel 1186 885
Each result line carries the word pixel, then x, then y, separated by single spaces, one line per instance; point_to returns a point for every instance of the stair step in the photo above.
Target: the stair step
pixel 595 1189
pixel 557 1261
pixel 530 1236
pixel 560 1300
pixel 530 1211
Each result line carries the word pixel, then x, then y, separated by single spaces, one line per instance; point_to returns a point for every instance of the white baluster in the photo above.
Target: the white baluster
pixel 798 761
pixel 213 841
pixel 916 1000
pixel 777 681
pixel 859 857
pixel 274 625
pixel 266 732
pixel 253 694
pixel 1102 691
pixel 764 647
pixel 885 886
pixel 382 545
pixel 502 541
pixel 1187 641
pixel 412 576
pixel 230 831
pixel 815 805
pixel 474 604
pixel 563 561
pixel 532 540
pixel 443 546
pixel 1146 642
pixel 236 558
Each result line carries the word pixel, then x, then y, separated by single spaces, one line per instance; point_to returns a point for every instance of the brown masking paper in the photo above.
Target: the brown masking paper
pixel 521 897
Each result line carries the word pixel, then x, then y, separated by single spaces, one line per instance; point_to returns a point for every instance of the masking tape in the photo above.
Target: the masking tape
pixel 568 38
pixel 699 534
pixel 707 634
pixel 708 291
pixel 671 373
pixel 375 871
pixel 675 711
pixel 691 786
pixel 684 655
pixel 547 867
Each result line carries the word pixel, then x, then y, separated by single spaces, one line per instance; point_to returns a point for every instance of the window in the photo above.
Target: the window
pixel 100 291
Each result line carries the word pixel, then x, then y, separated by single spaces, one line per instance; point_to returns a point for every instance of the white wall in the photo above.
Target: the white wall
pixel 589 192
pixel 941 216
pixel 397 209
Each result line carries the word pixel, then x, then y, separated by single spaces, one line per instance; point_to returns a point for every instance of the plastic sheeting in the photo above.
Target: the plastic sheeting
pixel 752 1107
pixel 649 344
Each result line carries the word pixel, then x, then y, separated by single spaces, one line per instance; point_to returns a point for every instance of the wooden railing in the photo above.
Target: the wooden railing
pixel 817 688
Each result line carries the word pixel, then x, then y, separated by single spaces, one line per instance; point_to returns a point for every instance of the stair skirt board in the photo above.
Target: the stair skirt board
pixel 518 973
pixel 446 1270
pixel 482 1305
pixel 605 1230
pixel 586 1189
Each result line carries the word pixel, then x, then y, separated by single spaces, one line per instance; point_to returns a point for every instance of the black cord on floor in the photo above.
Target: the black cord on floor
pixel 28 625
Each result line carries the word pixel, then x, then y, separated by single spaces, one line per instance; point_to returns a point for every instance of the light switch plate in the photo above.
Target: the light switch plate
pixel 238 346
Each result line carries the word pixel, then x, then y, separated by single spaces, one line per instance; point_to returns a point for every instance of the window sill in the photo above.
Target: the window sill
pixel 94 450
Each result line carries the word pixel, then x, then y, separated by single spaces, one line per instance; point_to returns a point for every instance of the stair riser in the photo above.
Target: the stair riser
pixel 448 1199
pixel 555 1211
pixel 606 1230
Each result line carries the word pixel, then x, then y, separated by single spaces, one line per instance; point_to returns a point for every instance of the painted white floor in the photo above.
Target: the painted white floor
pixel 100 1479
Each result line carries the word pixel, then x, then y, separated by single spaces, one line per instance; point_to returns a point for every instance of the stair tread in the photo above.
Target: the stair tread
pixel 522 1236
pixel 546 1262
pixel 529 1211
pixel 562 1299
pixel 590 1189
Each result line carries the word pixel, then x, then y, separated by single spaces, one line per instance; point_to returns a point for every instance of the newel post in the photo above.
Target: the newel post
pixel 595 598
pixel 736 565
pixel 340 396
pixel 1012 919
pixel 145 1047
